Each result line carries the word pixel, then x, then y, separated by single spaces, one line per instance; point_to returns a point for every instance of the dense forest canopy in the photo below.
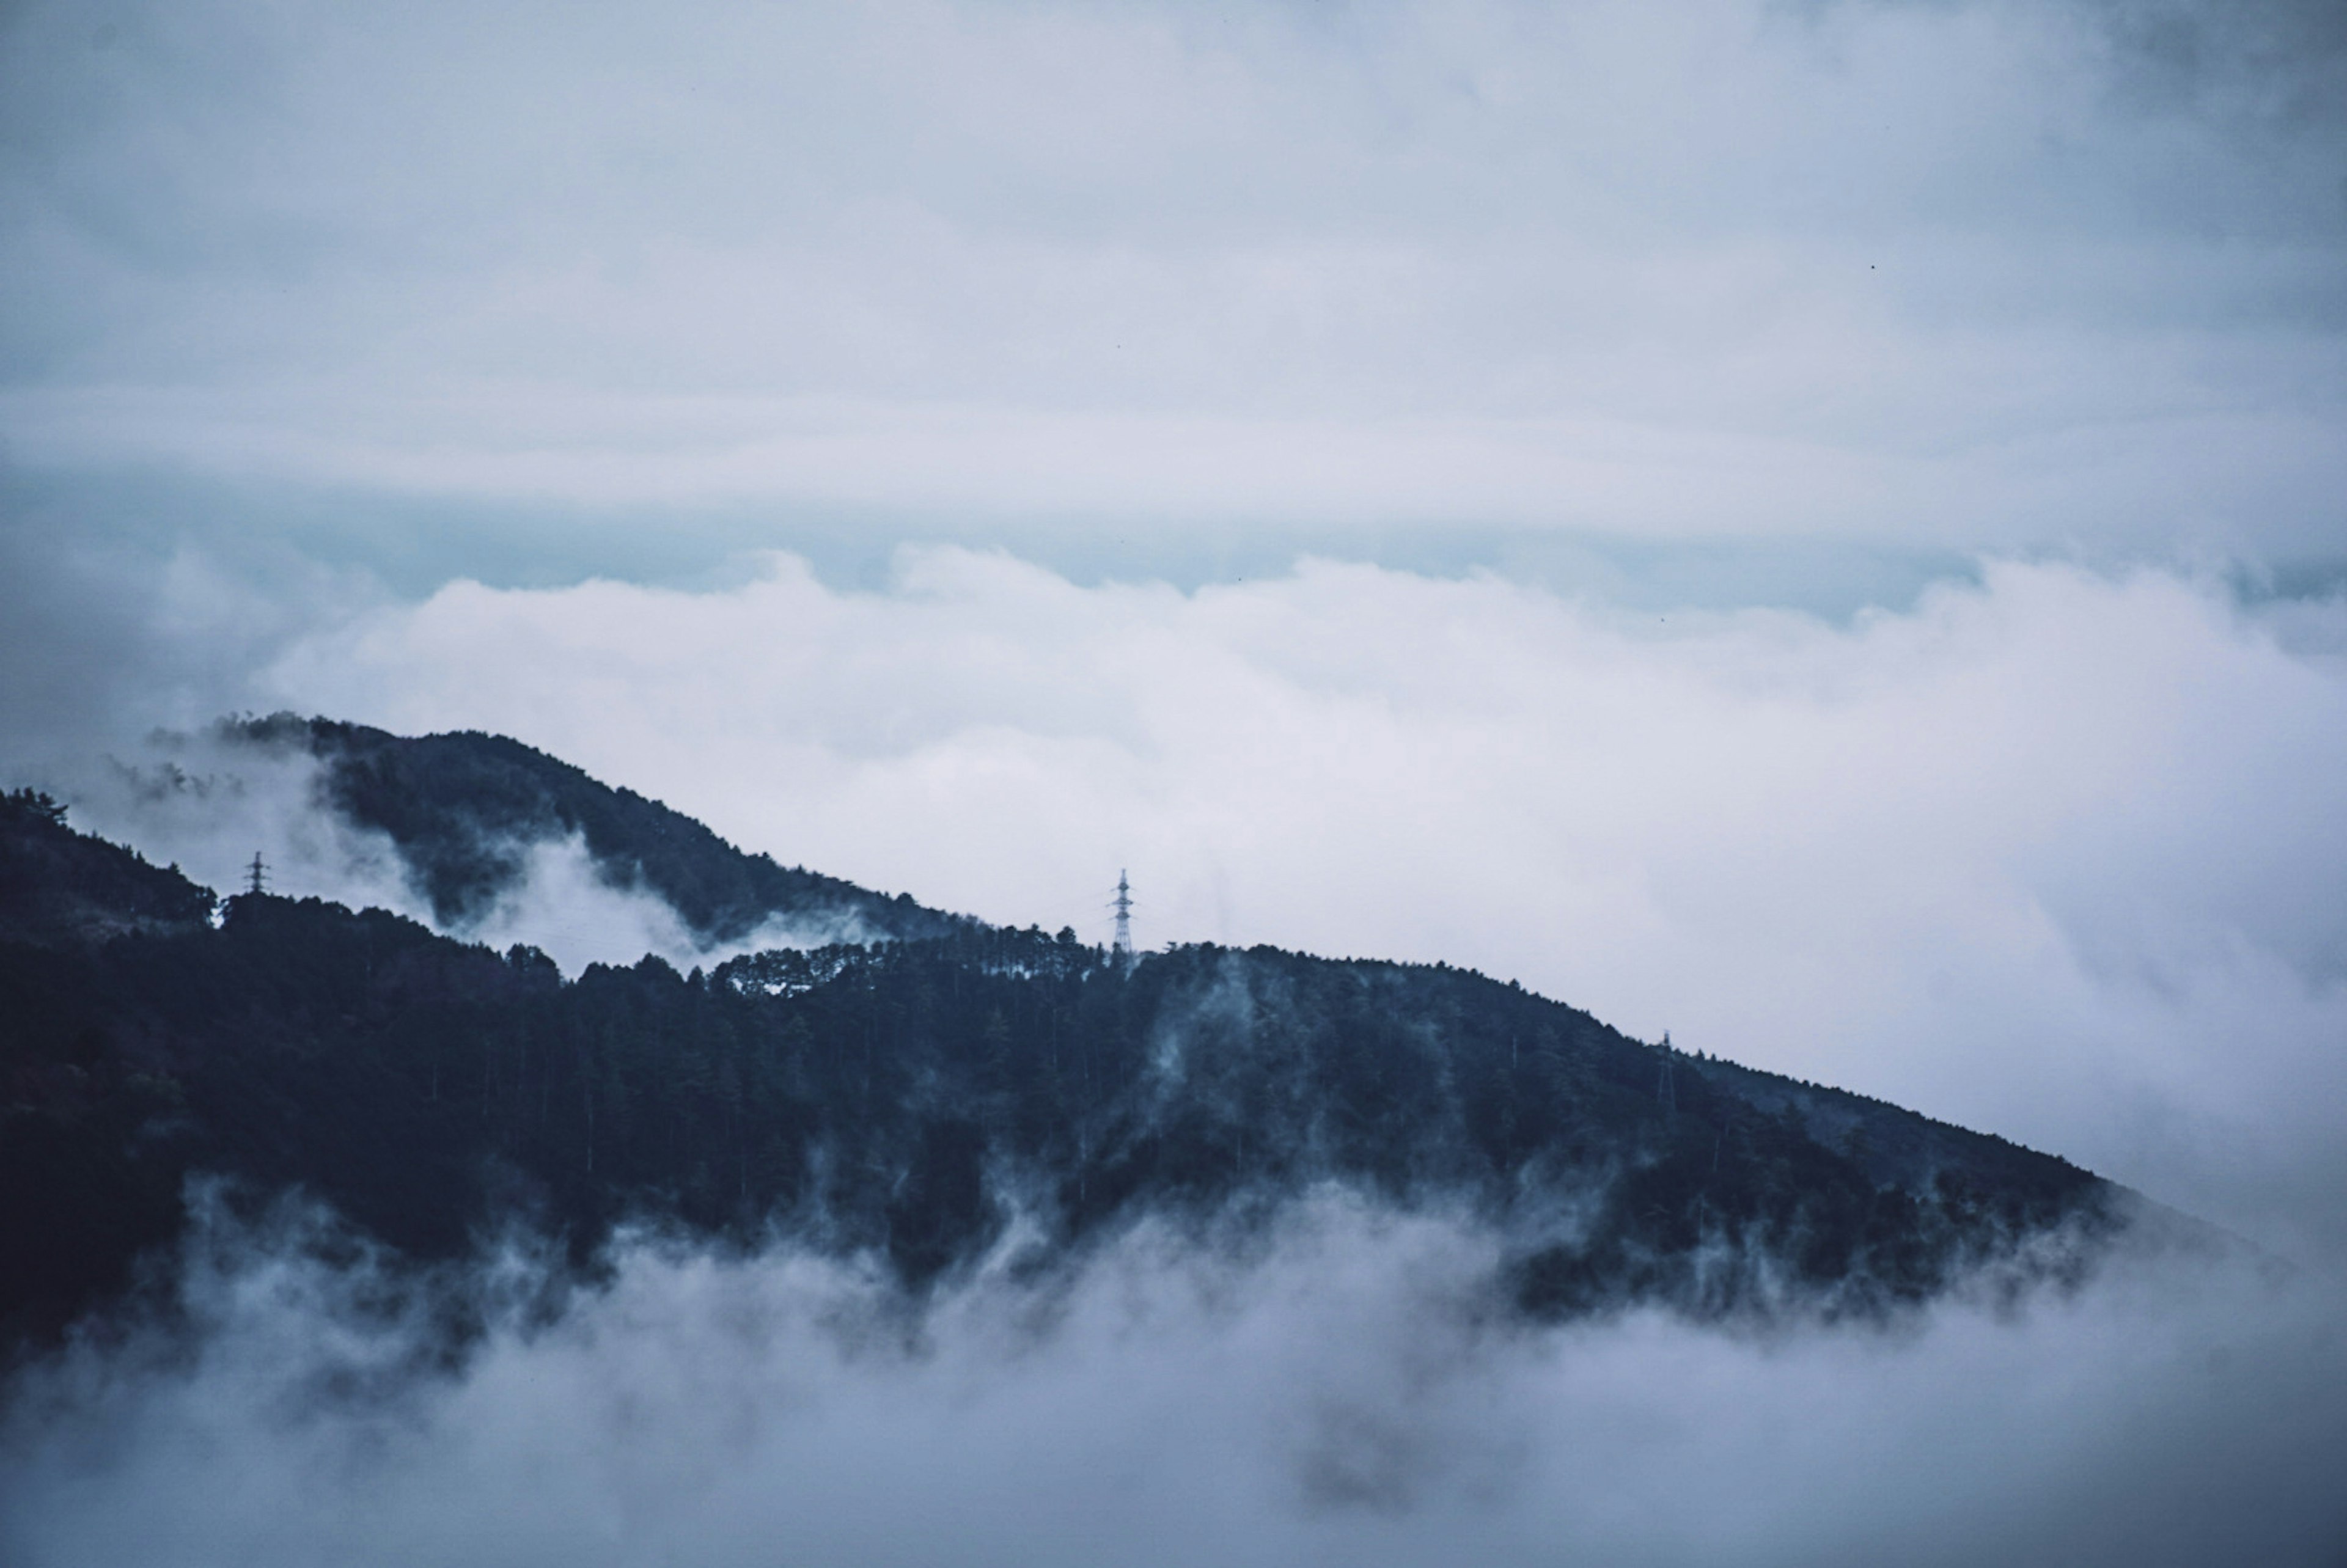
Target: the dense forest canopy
pixel 903 1098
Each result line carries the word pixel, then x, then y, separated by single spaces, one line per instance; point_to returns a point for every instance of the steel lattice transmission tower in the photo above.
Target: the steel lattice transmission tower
pixel 257 875
pixel 1123 908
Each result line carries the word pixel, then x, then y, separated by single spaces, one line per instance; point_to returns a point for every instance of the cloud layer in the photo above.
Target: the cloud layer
pixel 1333 1395
pixel 1973 275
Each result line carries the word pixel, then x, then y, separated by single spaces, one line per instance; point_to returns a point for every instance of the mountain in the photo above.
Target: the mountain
pixel 464 809
pixel 906 1099
pixel 62 888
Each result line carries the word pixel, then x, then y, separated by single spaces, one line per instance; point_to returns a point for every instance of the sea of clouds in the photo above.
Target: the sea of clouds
pixel 1339 1389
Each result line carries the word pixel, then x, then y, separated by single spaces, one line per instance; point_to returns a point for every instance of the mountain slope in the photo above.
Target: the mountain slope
pixel 464 809
pixel 59 888
pixel 907 1098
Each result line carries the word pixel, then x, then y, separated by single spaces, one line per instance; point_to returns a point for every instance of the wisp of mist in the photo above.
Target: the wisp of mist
pixel 208 803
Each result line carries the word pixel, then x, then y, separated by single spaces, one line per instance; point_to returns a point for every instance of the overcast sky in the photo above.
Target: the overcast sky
pixel 1912 275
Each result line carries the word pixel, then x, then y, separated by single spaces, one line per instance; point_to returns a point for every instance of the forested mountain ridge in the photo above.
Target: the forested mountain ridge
pixel 59 888
pixel 464 808
pixel 907 1098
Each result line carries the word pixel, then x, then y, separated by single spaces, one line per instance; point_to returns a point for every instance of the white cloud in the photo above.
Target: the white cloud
pixel 560 903
pixel 1338 1393
pixel 186 800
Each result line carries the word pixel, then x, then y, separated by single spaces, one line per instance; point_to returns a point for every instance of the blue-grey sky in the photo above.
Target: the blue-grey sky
pixel 1912 278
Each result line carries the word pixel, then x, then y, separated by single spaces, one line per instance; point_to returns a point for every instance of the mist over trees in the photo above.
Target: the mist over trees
pixel 462 809
pixel 905 1100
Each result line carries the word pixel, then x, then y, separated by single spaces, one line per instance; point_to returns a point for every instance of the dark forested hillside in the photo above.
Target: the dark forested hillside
pixel 907 1098
pixel 59 888
pixel 464 809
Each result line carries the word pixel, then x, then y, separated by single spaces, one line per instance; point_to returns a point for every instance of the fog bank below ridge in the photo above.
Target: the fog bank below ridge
pixel 1333 1392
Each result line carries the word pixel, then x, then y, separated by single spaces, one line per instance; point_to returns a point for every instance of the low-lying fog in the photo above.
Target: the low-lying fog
pixel 1338 1390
